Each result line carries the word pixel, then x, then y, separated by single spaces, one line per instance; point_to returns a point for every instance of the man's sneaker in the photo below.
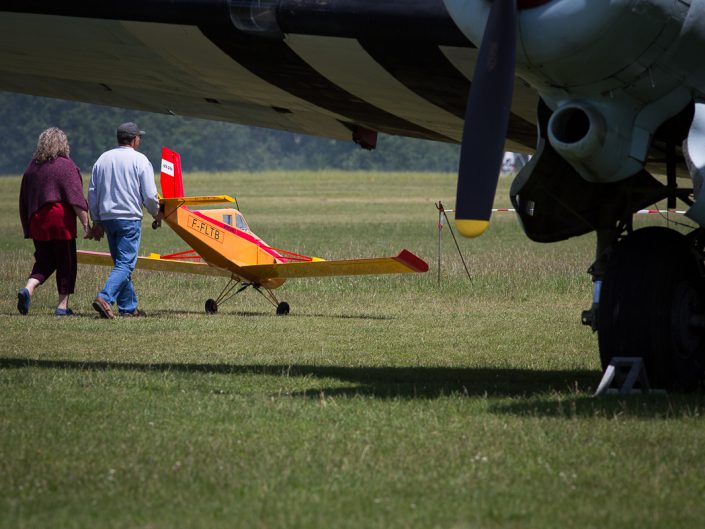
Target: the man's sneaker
pixel 23 301
pixel 137 313
pixel 103 308
pixel 63 312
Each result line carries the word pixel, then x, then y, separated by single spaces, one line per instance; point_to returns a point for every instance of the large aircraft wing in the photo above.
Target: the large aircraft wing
pixel 323 68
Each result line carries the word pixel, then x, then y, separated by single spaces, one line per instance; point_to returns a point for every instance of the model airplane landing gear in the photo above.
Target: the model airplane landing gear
pixel 652 305
pixel 282 308
pixel 227 293
pixel 211 306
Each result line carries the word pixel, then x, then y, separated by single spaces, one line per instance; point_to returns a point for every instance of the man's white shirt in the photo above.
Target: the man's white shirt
pixel 122 181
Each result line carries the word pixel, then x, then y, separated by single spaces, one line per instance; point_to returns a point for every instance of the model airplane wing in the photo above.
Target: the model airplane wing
pixel 405 262
pixel 198 201
pixel 154 262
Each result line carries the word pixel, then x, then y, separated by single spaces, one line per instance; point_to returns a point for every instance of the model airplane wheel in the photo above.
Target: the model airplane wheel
pixel 283 308
pixel 211 306
pixel 652 305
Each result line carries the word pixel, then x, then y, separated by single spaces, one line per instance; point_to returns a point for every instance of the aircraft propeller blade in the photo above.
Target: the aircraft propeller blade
pixel 486 120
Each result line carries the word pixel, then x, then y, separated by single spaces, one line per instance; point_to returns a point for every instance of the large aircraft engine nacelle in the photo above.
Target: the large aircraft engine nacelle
pixel 598 149
pixel 612 71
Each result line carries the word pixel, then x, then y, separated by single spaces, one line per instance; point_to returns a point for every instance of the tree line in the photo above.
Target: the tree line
pixel 204 145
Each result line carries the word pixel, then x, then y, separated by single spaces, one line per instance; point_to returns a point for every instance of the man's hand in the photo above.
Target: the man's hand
pixel 97 232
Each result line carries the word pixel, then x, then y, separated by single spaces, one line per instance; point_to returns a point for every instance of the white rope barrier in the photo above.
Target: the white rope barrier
pixel 640 212
pixel 442 221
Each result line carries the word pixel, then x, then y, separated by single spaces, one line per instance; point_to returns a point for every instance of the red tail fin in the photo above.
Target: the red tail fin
pixel 172 184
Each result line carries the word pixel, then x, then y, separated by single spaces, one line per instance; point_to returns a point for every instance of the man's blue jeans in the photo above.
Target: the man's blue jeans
pixel 124 241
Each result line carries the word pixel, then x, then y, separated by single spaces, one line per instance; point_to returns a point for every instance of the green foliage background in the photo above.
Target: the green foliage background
pixel 204 145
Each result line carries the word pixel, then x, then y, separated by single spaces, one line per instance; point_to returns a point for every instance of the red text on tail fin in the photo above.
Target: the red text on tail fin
pixel 172 184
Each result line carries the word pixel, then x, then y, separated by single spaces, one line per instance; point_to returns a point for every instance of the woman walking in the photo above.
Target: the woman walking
pixel 51 197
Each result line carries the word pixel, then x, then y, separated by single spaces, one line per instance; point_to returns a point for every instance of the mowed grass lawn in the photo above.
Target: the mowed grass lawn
pixel 379 402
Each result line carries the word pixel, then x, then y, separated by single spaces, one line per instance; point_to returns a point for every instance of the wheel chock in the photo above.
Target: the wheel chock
pixel 627 371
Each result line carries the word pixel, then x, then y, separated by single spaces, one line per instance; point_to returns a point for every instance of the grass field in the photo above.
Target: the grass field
pixel 381 402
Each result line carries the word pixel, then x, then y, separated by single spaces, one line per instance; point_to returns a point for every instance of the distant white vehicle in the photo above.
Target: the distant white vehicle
pixel 513 162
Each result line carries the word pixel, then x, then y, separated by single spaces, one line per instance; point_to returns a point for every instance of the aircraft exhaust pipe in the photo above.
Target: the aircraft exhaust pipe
pixel 597 149
pixel 576 131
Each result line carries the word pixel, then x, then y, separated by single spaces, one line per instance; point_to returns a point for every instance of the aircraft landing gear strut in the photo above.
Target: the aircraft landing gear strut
pixel 282 307
pixel 652 305
pixel 227 293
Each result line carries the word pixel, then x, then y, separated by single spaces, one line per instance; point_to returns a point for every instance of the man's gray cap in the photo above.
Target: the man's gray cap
pixel 129 129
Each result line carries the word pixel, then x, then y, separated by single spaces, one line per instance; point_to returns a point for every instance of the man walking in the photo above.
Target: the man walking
pixel 121 183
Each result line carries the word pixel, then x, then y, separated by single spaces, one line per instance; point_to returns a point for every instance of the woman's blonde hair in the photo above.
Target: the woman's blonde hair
pixel 51 143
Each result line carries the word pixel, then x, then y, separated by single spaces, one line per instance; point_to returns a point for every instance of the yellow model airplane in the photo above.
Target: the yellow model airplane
pixel 223 245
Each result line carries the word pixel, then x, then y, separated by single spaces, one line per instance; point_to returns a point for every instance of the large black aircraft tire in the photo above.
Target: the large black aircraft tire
pixel 652 305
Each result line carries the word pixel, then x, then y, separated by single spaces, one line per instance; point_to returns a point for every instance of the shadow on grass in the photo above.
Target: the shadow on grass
pixel 654 406
pixel 409 382
pixel 533 393
pixel 154 314
pixel 247 314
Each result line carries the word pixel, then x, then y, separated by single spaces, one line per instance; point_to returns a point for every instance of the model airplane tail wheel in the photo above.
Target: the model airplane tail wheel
pixel 211 306
pixel 652 305
pixel 283 308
